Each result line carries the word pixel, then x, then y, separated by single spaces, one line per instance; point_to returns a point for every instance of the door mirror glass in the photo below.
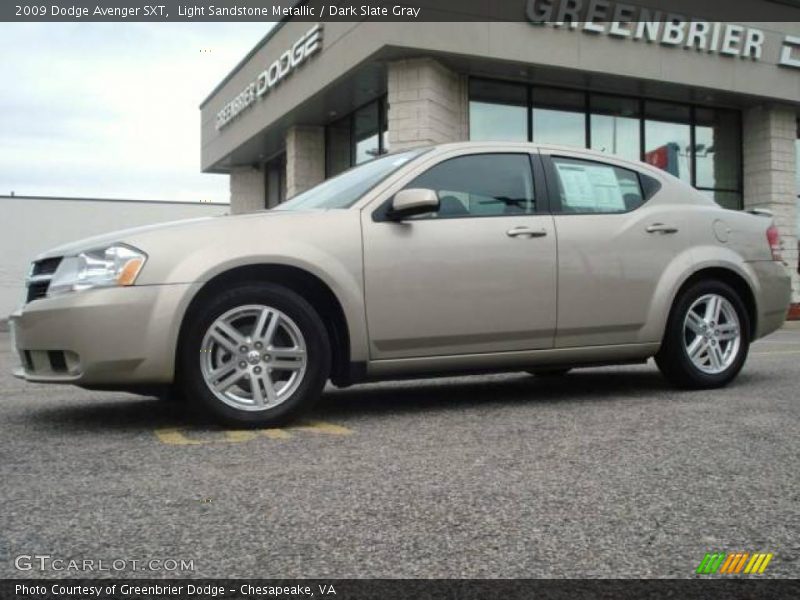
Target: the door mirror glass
pixel 411 202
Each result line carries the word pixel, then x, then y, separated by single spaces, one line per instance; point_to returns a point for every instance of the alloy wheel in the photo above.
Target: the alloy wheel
pixel 253 357
pixel 712 334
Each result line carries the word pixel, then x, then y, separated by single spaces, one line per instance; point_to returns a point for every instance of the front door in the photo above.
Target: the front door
pixel 477 276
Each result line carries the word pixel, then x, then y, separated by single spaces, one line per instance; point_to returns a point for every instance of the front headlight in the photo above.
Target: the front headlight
pixel 113 266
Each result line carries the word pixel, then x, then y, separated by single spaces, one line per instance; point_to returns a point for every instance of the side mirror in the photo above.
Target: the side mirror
pixel 414 201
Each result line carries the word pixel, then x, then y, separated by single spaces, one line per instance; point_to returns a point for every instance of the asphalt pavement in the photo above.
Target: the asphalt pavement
pixel 606 472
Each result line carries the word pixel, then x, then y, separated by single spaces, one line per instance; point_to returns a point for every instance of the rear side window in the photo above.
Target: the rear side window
pixel 597 188
pixel 480 185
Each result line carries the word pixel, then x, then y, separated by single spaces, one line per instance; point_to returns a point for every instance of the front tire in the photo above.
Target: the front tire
pixel 257 354
pixel 707 337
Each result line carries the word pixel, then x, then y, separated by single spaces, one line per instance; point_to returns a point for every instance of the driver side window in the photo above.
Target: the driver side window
pixel 480 185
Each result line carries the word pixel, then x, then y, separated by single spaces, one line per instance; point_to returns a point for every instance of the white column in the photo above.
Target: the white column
pixel 427 104
pixel 769 174
pixel 248 190
pixel 305 158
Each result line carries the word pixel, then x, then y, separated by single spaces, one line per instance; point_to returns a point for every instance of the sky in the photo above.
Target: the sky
pixel 111 110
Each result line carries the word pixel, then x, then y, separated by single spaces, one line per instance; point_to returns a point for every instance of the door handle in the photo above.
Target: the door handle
pixel 526 232
pixel 661 228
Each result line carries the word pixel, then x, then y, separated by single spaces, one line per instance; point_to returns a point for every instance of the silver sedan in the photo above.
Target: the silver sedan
pixel 458 258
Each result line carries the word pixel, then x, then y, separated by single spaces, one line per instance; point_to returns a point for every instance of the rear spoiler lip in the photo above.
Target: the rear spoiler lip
pixel 761 212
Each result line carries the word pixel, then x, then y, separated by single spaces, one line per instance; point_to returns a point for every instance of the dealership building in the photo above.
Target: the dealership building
pixel 716 104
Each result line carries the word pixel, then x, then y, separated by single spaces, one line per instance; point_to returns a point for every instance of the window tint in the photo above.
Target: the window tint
pixel 593 187
pixel 480 185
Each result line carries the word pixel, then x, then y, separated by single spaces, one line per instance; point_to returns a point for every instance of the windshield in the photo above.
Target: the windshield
pixel 344 190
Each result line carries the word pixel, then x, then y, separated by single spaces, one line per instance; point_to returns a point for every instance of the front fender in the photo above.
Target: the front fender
pixel 326 245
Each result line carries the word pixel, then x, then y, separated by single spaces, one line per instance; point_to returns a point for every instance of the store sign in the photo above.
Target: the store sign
pixel 288 62
pixel 620 20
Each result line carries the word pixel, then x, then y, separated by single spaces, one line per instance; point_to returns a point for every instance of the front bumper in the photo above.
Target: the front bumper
pixel 106 336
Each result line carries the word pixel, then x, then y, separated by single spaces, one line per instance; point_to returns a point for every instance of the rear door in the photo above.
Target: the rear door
pixel 613 248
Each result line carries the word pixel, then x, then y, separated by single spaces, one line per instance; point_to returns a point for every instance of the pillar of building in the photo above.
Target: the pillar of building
pixel 769 174
pixel 428 104
pixel 305 158
pixel 248 191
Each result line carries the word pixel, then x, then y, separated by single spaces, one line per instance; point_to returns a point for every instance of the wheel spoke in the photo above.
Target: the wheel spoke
pixel 287 359
pixel 695 323
pixel 696 347
pixel 728 331
pixel 271 329
pixel 255 387
pixel 227 336
pixel 260 323
pixel 715 356
pixel 713 307
pixel 227 379
pixel 269 386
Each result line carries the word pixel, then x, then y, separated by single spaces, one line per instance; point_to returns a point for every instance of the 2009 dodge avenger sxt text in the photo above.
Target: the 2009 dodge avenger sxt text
pixel 458 258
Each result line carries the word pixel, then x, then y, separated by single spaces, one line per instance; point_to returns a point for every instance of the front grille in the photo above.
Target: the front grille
pixel 37 290
pixel 46 266
pixel 41 274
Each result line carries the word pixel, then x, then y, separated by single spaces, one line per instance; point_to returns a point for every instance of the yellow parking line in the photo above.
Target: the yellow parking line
pixel 174 437
pixel 776 352
pixel 239 436
pixel 275 434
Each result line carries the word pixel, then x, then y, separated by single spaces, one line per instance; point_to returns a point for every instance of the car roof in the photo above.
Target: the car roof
pixel 550 149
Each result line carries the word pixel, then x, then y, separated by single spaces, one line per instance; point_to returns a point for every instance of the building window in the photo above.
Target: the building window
pixel 615 125
pixel 700 145
pixel 498 110
pixel 668 138
pixel 718 155
pixel 356 138
pixel 559 117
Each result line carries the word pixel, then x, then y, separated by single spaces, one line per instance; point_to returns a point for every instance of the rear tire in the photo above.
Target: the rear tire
pixel 255 355
pixel 707 337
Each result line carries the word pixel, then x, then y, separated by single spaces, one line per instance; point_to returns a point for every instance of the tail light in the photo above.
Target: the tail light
pixel 774 241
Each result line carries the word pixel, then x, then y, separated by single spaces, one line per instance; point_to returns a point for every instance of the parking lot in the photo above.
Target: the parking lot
pixel 603 473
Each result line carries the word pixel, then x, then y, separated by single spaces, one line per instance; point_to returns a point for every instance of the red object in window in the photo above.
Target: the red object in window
pixel 665 158
pixel 658 157
pixel 774 241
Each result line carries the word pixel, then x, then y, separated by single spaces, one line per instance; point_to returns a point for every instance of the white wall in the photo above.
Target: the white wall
pixel 29 226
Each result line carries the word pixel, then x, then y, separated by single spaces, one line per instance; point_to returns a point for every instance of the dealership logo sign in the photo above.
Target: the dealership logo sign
pixel 620 20
pixel 288 62
pixel 734 563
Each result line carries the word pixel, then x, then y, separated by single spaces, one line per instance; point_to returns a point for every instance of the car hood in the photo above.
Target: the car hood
pixel 139 236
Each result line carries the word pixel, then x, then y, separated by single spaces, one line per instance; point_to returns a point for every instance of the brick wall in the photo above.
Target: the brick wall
pixel 305 158
pixel 769 174
pixel 427 104
pixel 247 189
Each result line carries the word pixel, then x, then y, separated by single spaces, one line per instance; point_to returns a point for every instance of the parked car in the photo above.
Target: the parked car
pixel 459 258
